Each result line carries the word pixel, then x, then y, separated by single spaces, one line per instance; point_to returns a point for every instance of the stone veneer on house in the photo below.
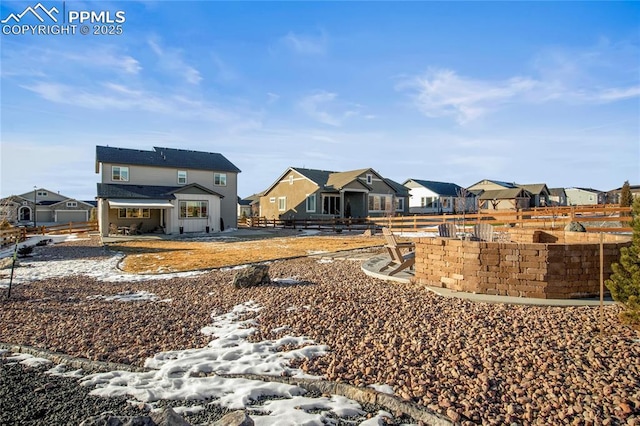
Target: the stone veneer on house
pixel 540 264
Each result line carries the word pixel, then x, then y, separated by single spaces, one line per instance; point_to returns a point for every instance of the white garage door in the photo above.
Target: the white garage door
pixel 66 216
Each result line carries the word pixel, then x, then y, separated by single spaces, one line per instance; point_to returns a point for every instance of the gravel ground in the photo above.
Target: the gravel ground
pixel 474 362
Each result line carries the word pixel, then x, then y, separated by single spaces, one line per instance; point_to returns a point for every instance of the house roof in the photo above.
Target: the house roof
pixel 73 199
pixel 328 180
pixel 595 191
pixel 503 194
pixel 441 188
pixel 557 191
pixel 165 157
pixel 119 190
pixel 398 187
pixel 534 188
pixel 504 184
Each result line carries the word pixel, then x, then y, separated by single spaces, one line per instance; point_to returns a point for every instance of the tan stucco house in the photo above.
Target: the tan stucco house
pixel 166 190
pixel 302 193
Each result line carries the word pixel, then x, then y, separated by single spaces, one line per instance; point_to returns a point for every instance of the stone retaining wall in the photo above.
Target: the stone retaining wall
pixel 540 264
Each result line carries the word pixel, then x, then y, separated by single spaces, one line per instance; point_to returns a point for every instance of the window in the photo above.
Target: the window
pixel 369 178
pixel 72 204
pixel 220 179
pixel 42 193
pixel 182 177
pixel 429 202
pixel 331 204
pixel 311 203
pixel 133 213
pixel 120 173
pixel 194 209
pixel 290 179
pixel 272 200
pixel 282 203
pixel 399 204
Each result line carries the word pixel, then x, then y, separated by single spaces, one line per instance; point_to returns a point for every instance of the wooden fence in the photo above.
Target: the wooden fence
pixel 9 236
pixel 602 218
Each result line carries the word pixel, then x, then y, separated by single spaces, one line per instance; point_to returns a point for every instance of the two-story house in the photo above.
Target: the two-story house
pixel 431 197
pixel 301 193
pixel 584 196
pixel 166 190
pixel 43 207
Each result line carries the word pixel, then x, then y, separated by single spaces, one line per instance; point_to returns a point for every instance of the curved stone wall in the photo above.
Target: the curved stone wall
pixel 540 264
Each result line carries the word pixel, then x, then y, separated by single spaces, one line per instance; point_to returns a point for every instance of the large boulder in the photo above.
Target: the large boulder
pixel 252 276
pixel 235 418
pixel 575 227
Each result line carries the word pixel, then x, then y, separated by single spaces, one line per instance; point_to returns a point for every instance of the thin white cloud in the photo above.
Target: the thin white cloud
pixel 326 108
pixel 120 97
pixel 171 60
pixel 306 44
pixel 442 92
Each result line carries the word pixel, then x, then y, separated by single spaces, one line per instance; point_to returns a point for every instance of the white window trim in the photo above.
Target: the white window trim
pixel 120 169
pixel 369 178
pixel 220 179
pixel 272 200
pixel 186 202
pixel 309 198
pixel 282 204
pixel 72 204
pixel 185 177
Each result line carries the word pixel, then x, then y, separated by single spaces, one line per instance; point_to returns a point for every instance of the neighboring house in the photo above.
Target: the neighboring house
pixel 584 196
pixel 504 199
pixel 557 197
pixel 614 194
pixel 244 207
pixel 427 196
pixel 538 193
pixel 50 207
pixel 308 193
pixel 166 190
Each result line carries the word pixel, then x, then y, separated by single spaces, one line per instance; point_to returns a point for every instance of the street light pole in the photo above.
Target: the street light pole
pixel 35 221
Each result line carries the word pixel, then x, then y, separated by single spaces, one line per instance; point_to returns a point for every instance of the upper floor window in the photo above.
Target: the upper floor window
pixel 120 173
pixel 290 179
pixel 72 204
pixel 220 179
pixel 42 193
pixel 369 178
pixel 282 203
pixel 182 177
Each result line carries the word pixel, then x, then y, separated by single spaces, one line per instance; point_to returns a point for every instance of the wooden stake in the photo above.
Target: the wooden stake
pixel 601 281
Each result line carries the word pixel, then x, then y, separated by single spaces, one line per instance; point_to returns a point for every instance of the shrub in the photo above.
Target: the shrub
pixel 624 283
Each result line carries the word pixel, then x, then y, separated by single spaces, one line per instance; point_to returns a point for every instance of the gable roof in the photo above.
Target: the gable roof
pixel 328 180
pixel 535 188
pixel 441 188
pixel 557 192
pixel 504 194
pixel 165 157
pixel 504 184
pixel 595 191
pixel 398 187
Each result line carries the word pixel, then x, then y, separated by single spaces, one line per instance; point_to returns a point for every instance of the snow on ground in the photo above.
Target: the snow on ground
pixel 197 374
pixel 31 269
pixel 192 374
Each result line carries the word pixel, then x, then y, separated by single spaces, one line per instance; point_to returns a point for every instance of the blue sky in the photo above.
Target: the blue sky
pixel 460 91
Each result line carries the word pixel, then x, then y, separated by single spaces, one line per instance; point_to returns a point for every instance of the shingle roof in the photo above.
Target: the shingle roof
pixel 119 190
pixel 502 194
pixel 398 187
pixel 534 188
pixel 441 188
pixel 557 191
pixel 341 179
pixel 166 157
pixel 319 177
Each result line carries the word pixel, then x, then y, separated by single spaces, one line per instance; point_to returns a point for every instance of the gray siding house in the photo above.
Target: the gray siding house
pixel 166 190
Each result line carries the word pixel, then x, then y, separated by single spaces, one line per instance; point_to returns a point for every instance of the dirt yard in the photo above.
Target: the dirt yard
pixel 176 255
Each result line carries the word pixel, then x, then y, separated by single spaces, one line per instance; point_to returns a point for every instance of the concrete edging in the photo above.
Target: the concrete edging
pixel 362 395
